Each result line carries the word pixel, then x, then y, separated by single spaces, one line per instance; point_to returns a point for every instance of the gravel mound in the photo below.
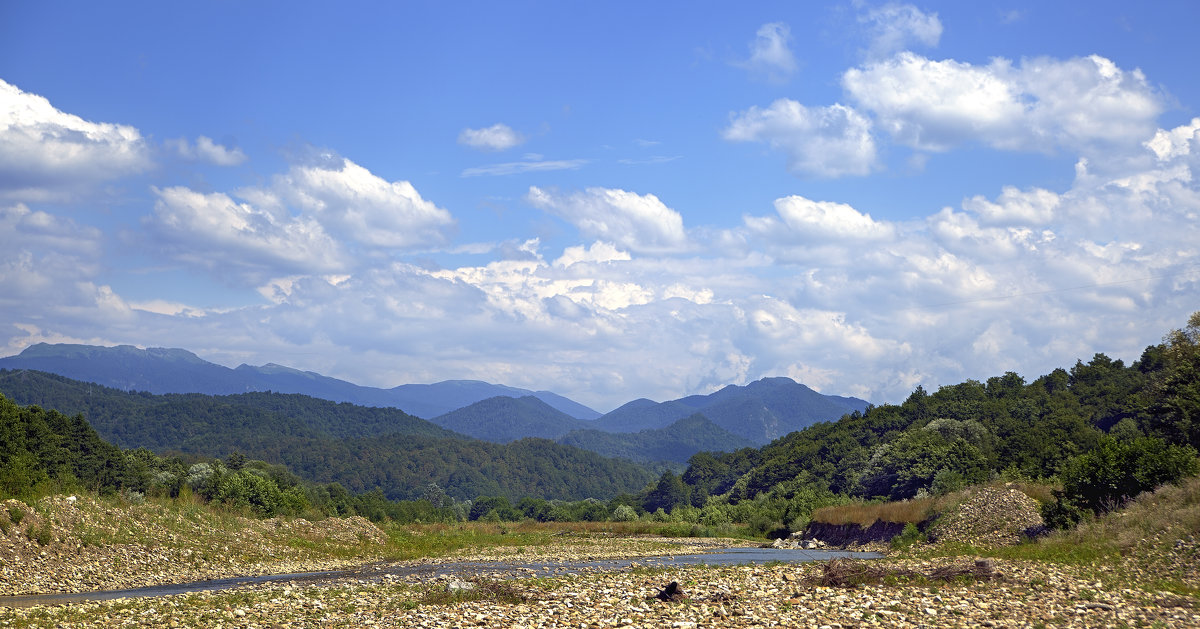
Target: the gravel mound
pixel 988 517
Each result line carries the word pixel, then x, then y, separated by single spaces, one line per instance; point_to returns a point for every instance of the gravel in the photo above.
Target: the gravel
pixel 902 592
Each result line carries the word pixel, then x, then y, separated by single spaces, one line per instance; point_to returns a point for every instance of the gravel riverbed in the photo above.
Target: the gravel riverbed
pixel 1023 595
pixel 94 545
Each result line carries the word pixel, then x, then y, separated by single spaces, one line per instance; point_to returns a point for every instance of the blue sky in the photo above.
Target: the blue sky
pixel 608 200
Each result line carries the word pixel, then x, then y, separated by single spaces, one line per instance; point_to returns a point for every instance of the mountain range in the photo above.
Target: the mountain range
pixel 754 414
pixel 160 370
pixel 361 448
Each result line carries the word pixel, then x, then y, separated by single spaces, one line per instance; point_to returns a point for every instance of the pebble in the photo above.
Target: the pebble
pixel 1029 593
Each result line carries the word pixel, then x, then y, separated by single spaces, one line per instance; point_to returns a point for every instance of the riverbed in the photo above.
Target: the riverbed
pixel 383 571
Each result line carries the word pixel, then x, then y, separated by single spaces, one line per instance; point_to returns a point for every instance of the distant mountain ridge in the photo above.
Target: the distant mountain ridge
pixel 362 448
pixel 505 419
pixel 675 443
pixel 161 370
pixel 759 412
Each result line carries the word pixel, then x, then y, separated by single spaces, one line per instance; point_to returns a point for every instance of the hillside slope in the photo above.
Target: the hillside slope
pixel 361 448
pixel 677 442
pixel 159 370
pixel 758 412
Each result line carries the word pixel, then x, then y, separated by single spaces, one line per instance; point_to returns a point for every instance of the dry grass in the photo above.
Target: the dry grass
pixel 1170 513
pixel 864 514
pixel 1041 492
pixel 917 510
pixel 848 574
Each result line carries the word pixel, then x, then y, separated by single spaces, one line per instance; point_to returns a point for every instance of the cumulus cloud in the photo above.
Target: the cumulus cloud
pixel 309 220
pixel 1024 278
pixel 599 252
pixel 1039 104
pixel 829 141
pixel 358 205
pixel 641 223
pixel 1178 142
pixel 216 232
pixel 822 290
pixel 770 55
pixel 498 137
pixel 43 255
pixel 48 268
pixel 809 219
pixel 46 154
pixel 206 150
pixel 894 27
pixel 1033 207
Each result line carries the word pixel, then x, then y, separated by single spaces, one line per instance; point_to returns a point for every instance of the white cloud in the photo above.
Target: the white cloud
pixel 1034 207
pixel 208 151
pixel 1041 104
pixel 356 204
pixel 48 267
pixel 599 252
pixel 498 137
pixel 529 166
pixel 1178 142
pixel 242 239
pixel 770 55
pixel 326 216
pixel 164 307
pixel 46 154
pixel 43 256
pixel 814 220
pixel 1024 278
pixel 894 27
pixel 641 223
pixel 820 141
pixel 1019 280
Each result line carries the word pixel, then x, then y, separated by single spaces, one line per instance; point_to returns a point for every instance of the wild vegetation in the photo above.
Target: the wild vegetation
pixel 1104 430
pixel 361 449
pixel 1087 439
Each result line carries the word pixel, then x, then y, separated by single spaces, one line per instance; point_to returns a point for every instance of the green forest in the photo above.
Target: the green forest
pixel 362 449
pixel 1100 432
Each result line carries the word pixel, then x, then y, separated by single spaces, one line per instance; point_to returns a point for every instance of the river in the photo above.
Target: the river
pixel 508 569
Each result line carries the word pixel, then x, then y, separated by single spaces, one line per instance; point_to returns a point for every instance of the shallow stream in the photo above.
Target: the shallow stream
pixel 507 569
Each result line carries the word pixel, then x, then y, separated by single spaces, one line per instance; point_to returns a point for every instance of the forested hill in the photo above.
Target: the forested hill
pixel 504 419
pixel 970 432
pixel 362 448
pixel 757 412
pixel 162 370
pixel 675 443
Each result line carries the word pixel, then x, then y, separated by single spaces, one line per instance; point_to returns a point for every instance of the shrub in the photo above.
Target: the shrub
pixel 624 513
pixel 909 536
pixel 1107 477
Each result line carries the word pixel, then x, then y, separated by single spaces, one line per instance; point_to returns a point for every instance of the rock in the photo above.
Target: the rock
pixel 989 516
pixel 460 586
pixel 672 593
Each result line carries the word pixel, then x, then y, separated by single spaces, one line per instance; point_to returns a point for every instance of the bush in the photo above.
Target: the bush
pixel 624 513
pixel 1113 473
pixel 909 536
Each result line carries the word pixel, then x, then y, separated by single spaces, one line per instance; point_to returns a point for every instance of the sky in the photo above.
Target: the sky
pixel 606 200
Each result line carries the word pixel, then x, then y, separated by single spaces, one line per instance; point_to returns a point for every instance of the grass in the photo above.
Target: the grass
pixel 482 590
pixel 1151 544
pixel 850 574
pixel 917 510
pixel 865 514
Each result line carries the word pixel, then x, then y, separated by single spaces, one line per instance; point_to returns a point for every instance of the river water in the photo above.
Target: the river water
pixel 723 557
